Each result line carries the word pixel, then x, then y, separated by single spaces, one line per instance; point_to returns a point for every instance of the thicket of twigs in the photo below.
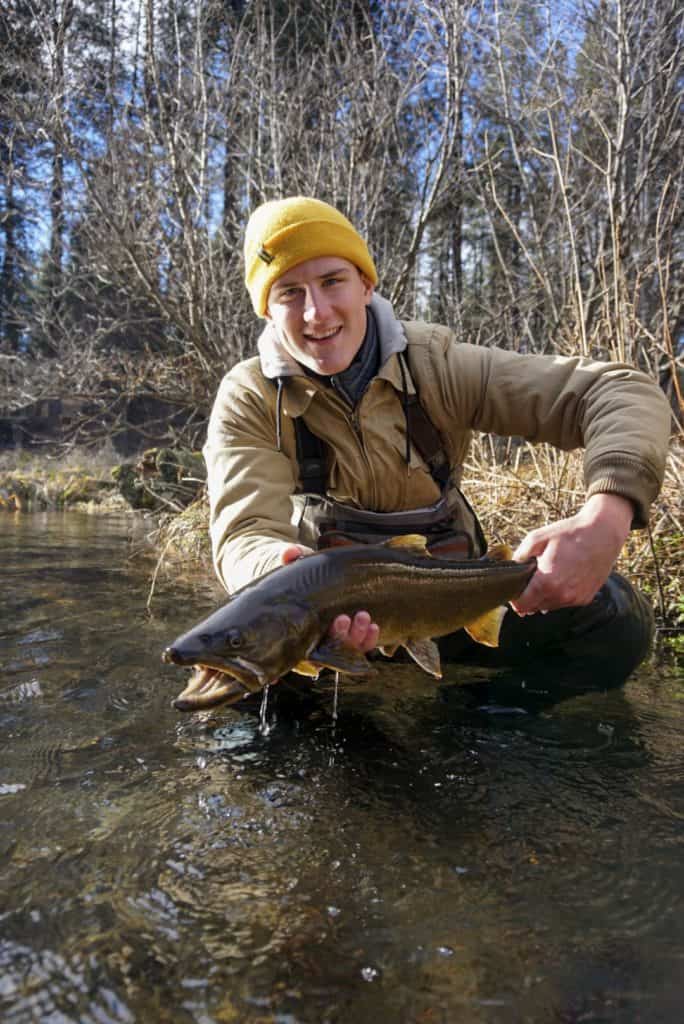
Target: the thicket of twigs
pixel 516 166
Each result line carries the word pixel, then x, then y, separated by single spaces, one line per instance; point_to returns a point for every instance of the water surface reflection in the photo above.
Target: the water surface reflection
pixel 437 854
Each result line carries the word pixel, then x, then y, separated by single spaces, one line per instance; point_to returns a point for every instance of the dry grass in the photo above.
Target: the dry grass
pixel 45 462
pixel 185 536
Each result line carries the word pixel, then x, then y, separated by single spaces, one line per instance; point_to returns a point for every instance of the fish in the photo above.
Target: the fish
pixel 281 621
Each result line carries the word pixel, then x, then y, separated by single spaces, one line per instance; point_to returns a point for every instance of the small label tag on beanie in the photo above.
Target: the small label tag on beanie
pixel 264 255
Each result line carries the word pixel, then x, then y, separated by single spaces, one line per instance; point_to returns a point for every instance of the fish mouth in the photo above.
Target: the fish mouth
pixel 212 684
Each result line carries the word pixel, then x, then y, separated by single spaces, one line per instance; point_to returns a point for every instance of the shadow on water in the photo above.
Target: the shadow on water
pixel 475 851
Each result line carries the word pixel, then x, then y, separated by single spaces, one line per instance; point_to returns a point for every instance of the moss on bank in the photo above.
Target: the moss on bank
pixel 25 490
pixel 160 480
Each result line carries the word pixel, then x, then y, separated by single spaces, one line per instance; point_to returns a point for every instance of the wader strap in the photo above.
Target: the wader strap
pixel 313 468
pixel 421 432
pixel 426 440
pixel 423 435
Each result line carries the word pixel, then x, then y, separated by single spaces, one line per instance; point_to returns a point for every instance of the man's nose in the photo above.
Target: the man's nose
pixel 315 305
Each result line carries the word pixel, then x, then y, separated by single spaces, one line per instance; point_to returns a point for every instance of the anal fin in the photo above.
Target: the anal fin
pixel 425 653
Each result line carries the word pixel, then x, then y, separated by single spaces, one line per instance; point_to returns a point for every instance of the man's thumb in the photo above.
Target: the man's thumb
pixel 532 544
pixel 293 552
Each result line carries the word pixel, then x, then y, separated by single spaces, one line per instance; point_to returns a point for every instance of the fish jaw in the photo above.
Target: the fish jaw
pixel 276 633
pixel 216 680
pixel 209 687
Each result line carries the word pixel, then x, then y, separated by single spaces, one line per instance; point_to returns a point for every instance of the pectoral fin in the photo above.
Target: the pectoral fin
pixel 486 629
pixel 305 668
pixel 334 653
pixel 426 654
pixel 498 553
pixel 410 542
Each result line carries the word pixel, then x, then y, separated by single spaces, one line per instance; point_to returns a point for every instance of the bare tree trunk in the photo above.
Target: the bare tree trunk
pixel 62 14
pixel 9 272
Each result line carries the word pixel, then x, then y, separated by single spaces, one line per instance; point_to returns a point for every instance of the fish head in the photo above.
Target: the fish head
pixel 239 649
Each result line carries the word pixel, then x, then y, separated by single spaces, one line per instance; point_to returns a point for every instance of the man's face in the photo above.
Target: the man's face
pixel 319 309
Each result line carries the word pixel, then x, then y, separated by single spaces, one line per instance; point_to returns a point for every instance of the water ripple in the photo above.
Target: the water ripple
pixel 438 852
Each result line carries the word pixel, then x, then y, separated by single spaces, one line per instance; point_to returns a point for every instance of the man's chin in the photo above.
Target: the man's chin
pixel 328 361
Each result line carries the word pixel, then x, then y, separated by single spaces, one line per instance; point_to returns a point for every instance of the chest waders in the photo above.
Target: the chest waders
pixel 579 648
pixel 450 525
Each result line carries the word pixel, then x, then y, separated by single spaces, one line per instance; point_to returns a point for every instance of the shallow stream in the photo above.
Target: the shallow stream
pixel 439 853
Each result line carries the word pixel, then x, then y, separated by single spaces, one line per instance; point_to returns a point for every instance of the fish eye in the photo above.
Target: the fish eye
pixel 234 637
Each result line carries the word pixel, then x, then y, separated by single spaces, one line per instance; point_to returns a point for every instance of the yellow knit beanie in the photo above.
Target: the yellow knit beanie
pixel 283 233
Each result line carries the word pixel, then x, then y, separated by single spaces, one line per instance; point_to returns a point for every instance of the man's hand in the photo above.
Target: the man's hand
pixel 357 632
pixel 360 632
pixel 575 555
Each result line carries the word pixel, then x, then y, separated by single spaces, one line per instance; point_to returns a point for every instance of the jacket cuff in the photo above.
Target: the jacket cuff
pixel 618 474
pixel 237 568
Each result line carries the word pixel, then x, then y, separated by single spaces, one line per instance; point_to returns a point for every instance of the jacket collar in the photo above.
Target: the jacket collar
pixel 276 361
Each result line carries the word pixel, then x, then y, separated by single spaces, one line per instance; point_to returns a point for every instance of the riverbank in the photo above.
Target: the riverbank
pixel 514 491
pixel 79 481
pixel 157 481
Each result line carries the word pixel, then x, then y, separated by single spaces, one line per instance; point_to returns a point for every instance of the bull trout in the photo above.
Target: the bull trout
pixel 281 621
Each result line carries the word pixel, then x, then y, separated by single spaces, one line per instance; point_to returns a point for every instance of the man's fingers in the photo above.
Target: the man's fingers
pixel 340 626
pixel 359 628
pixel 372 638
pixel 544 594
pixel 293 552
pixel 363 633
pixel 529 601
pixel 359 632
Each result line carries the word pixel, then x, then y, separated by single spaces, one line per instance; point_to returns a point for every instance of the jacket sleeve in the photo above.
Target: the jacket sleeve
pixel 250 483
pixel 616 413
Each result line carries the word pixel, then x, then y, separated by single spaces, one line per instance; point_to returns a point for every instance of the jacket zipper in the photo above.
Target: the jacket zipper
pixel 355 423
pixel 353 419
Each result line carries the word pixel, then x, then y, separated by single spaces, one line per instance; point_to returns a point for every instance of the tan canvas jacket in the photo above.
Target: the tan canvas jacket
pixel 616 413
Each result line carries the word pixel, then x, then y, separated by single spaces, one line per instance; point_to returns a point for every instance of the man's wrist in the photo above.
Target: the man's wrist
pixel 613 507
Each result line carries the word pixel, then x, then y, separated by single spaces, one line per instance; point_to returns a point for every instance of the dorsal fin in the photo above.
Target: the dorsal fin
pixel 499 553
pixel 409 542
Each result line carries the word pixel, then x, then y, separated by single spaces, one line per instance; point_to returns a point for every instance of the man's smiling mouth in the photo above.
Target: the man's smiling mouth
pixel 325 335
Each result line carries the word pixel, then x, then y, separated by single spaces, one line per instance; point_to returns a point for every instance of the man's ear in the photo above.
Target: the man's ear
pixel 368 286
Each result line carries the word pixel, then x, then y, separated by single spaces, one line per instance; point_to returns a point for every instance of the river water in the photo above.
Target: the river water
pixel 437 854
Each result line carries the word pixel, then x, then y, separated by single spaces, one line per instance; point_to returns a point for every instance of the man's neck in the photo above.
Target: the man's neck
pixel 352 382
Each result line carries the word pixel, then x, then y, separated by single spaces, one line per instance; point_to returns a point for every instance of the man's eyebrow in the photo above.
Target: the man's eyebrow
pixel 293 282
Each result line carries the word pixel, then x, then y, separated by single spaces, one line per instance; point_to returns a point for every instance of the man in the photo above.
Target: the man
pixel 350 423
